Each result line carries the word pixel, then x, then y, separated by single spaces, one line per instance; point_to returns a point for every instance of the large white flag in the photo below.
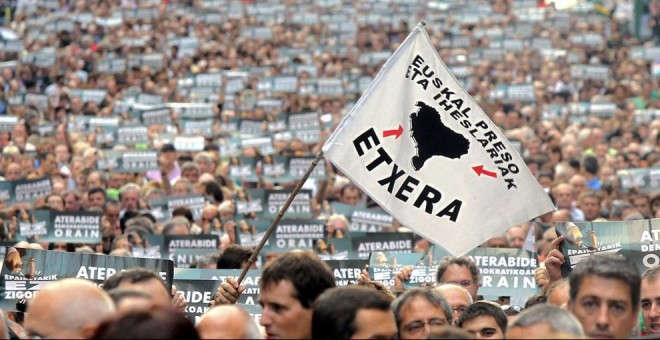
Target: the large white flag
pixel 420 146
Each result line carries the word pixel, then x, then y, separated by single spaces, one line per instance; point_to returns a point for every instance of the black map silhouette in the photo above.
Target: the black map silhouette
pixel 433 138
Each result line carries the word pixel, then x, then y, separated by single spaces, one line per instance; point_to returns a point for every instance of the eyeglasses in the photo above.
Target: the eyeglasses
pixel 418 325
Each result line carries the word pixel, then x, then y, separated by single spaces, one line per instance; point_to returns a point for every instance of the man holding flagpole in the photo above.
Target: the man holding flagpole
pixel 420 146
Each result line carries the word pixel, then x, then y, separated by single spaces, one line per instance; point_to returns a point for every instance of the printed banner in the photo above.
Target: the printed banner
pixel 27 271
pixel 382 242
pixel 347 272
pixel 294 234
pixel 506 272
pixel 273 200
pixel 183 250
pixel 62 226
pixel 249 297
pixel 138 161
pixel 383 267
pixel 643 179
pixel 638 240
pixel 363 219
pixel 162 208
pixel 24 190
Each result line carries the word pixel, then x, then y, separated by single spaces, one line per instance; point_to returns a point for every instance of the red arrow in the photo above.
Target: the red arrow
pixel 397 132
pixel 480 170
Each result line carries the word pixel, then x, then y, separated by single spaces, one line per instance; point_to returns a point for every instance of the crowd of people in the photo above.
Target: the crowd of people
pixel 535 69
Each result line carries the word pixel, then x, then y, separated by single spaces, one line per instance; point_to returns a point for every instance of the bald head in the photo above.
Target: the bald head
pixel 458 298
pixel 227 322
pixel 71 308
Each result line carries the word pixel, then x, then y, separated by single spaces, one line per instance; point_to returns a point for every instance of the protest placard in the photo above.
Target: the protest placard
pixel 62 226
pixel 636 240
pixel 27 271
pixel 346 272
pixel 363 219
pixel 25 190
pixel 362 246
pixel 183 250
pixel 273 200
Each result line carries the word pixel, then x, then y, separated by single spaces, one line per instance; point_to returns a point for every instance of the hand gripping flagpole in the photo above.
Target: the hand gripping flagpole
pixel 279 216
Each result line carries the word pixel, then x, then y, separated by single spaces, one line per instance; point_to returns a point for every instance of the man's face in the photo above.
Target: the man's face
pixel 168 157
pixel 516 237
pixel 112 214
pixel 71 203
pixel 191 175
pixel 180 189
pixel 590 208
pixel 374 324
pixel 650 304
pixel 94 180
pixel 461 276
pixel 49 165
pixel 115 181
pixel 484 327
pixel 208 215
pixel 564 198
pixel 96 199
pixel 62 153
pixel 204 166
pixel 350 196
pixel 604 308
pixel 55 202
pixel 13 172
pixel 283 316
pixel 643 205
pixel 419 317
pixel 129 200
pixel 538 331
pixel 457 299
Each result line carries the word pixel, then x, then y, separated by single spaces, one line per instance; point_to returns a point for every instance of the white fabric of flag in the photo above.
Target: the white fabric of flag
pixel 420 146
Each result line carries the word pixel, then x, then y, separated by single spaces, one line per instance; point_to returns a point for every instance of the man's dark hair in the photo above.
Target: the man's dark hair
pixel 307 273
pixel 118 294
pixel 463 261
pixel 589 194
pixel 607 266
pixel 336 309
pixel 44 155
pixel 133 275
pixel 427 294
pixel 165 322
pixel 211 147
pixel 97 190
pixel 346 187
pixel 233 256
pixel 484 309
pixel 183 212
pixel 212 189
pixel 590 164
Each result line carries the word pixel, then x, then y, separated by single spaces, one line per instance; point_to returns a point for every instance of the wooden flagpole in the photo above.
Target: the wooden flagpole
pixel 279 216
